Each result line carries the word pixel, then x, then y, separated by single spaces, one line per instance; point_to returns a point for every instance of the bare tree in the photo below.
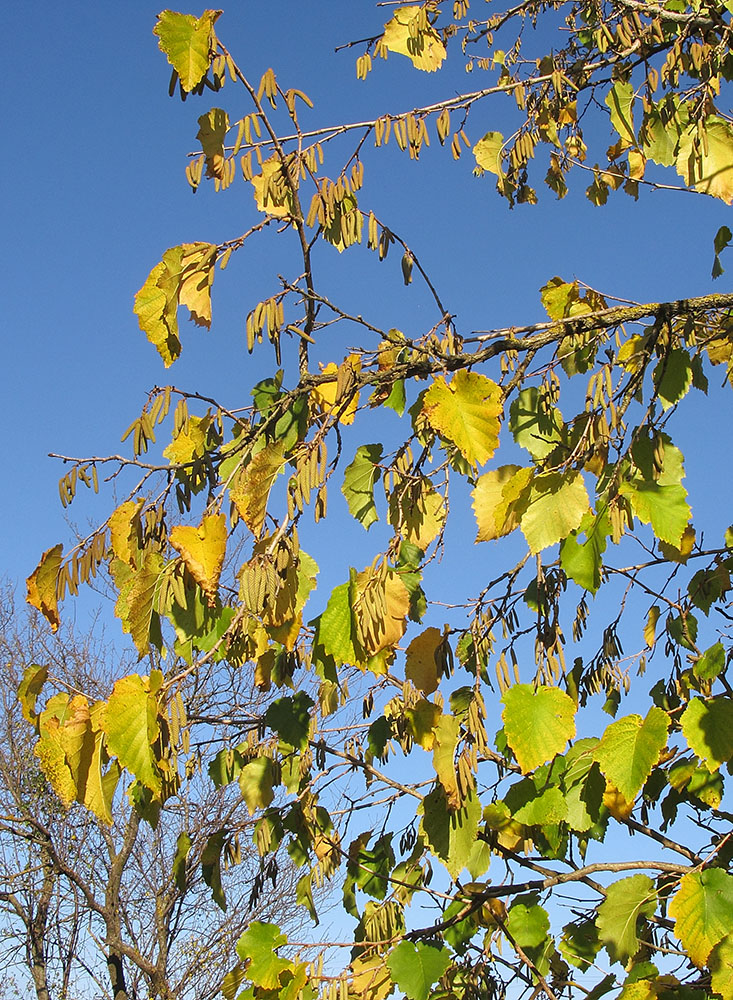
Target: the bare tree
pixel 127 910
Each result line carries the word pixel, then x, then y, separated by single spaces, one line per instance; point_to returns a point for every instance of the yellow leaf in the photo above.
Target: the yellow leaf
pixel 616 804
pixel 190 442
pixel 202 550
pixel 409 34
pixel 466 412
pixel 447 733
pixel 41 586
pixel 421 721
pixel 683 553
pixel 371 979
pixel 330 396
pixel 488 152
pixel 272 191
pixel 495 500
pixel 421 666
pixel 252 490
pixel 417 511
pixel 651 625
pixel 124 524
pixel 380 611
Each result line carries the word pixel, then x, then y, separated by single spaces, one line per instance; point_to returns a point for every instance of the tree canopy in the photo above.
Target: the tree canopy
pixel 442 765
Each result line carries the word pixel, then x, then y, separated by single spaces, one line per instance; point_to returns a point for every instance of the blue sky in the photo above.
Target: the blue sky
pixel 95 192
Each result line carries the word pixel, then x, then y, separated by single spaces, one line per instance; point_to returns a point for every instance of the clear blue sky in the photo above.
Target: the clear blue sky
pixel 94 192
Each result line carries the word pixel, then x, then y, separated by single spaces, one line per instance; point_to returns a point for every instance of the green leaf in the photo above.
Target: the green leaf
pixel 130 721
pixel 291 718
pixel 258 946
pixel 582 560
pixel 673 377
pixel 620 100
pixel 211 867
pixel 466 412
pixel 711 663
pixel 256 781
pixel 538 723
pixel 183 847
pixel 708 728
pixel 580 944
pixel 630 748
pixel 527 921
pixel 657 497
pixel 359 480
pixel 450 833
pixel 702 909
pixel 416 967
pixel 618 915
pixel 188 43
pixel 336 627
pixel 479 860
pixel 369 868
pixel 488 152
pixel 546 809
pixel 556 506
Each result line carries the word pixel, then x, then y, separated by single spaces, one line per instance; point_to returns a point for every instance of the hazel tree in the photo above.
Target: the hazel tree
pixel 452 784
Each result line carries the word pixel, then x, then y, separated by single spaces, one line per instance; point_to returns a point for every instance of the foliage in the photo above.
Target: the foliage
pixel 563 433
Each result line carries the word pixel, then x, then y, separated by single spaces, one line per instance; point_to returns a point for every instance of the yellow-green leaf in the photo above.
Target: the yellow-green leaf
pixel 630 748
pixel 34 677
pixel 702 909
pixel 255 782
pixel 499 499
pixel 135 605
pixel 466 412
pixel 124 526
pixel 707 165
pixel 252 490
pixel 556 505
pixel 130 721
pixel 188 43
pixel 708 728
pixel 202 550
pixel 620 100
pixel 720 963
pixel 41 586
pixel 183 277
pixel 538 723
